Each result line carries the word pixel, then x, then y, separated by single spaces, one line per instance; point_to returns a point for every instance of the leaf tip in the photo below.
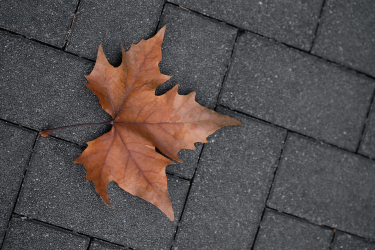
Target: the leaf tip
pixel 161 32
pixel 45 133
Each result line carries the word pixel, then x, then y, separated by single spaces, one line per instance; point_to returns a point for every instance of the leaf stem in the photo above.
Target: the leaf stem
pixel 46 132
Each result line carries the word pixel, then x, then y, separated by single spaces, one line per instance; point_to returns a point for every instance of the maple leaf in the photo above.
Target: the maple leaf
pixel 142 122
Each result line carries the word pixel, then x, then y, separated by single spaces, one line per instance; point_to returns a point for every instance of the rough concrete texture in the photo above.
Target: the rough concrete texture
pixel 44 20
pixel 196 52
pixel 282 232
pixel 326 185
pixel 291 22
pixel 15 150
pixel 297 91
pixel 111 22
pixel 55 191
pixel 2 235
pixel 367 146
pixel 345 241
pixel 189 163
pixel 231 185
pixel 29 235
pixel 44 88
pixel 101 245
pixel 346 34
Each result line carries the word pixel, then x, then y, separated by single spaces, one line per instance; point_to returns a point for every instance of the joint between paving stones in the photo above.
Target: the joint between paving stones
pixel 365 123
pixel 20 186
pixel 302 219
pixel 186 199
pixel 299 133
pixel 332 240
pixel 279 42
pixel 270 188
pixel 19 126
pixel 226 73
pixel 317 26
pixel 45 44
pixel 63 229
pixel 335 230
pixel 218 20
pixel 160 18
pixel 71 26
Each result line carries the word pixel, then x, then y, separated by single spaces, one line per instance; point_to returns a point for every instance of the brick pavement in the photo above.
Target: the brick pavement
pixel 299 174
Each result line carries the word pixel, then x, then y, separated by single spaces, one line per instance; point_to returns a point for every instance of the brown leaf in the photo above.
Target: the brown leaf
pixel 142 122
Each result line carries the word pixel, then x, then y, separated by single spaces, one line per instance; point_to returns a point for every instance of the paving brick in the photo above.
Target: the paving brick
pixel 346 34
pixel 345 241
pixel 15 149
pixel 280 231
pixel 111 22
pixel 291 22
pixel 101 245
pixel 55 191
pixel 229 191
pixel 189 163
pixel 45 20
pixel 196 52
pixel 326 185
pixel 367 146
pixel 28 235
pixel 297 91
pixel 42 88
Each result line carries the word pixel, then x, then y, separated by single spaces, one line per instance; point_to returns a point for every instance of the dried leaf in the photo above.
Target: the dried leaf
pixel 142 122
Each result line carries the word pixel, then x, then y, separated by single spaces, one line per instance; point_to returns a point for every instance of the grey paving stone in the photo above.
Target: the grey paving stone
pixel 326 185
pixel 367 146
pixel 297 91
pixel 45 20
pixel 280 231
pixel 196 52
pixel 346 34
pixel 101 245
pixel 345 241
pixel 55 191
pixel 15 149
pixel 230 188
pixel 44 88
pixel 291 22
pixel 111 22
pixel 189 162
pixel 29 235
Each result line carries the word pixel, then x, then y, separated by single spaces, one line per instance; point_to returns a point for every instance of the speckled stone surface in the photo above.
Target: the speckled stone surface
pixel 44 20
pixel 345 241
pixel 101 245
pixel 272 79
pixel 15 150
pixel 346 34
pixel 30 235
pixel 326 185
pixel 297 91
pixel 367 146
pixel 282 232
pixel 291 22
pixel 111 22
pixel 42 88
pixel 229 191
pixel 196 52
pixel 55 191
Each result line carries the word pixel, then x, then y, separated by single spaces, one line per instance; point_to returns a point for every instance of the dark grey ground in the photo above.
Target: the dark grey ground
pixel 299 174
